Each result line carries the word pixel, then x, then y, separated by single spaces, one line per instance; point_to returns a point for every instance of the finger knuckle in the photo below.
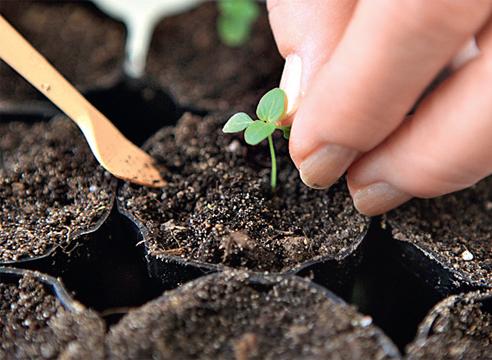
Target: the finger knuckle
pixel 450 16
pixel 439 175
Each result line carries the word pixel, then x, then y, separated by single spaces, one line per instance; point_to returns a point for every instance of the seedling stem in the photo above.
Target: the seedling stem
pixel 273 175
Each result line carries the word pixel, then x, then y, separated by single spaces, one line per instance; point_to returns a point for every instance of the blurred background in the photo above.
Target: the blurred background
pixel 205 54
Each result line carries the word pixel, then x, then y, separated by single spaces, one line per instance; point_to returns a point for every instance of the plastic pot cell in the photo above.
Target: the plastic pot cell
pixel 218 210
pixel 238 315
pixel 39 320
pixel 52 190
pixel 459 327
pixel 448 240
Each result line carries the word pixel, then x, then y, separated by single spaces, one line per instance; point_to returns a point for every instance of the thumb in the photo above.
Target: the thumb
pixel 306 32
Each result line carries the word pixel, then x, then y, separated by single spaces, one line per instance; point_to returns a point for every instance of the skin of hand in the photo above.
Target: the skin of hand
pixel 354 69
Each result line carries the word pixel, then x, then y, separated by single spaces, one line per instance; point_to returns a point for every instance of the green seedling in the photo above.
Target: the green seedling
pixel 270 110
pixel 235 20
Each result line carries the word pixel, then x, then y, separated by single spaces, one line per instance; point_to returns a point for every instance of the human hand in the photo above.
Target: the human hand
pixel 353 71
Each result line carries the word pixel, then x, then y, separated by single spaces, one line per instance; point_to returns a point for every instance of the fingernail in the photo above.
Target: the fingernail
pixel 378 198
pixel 291 82
pixel 323 167
pixel 467 53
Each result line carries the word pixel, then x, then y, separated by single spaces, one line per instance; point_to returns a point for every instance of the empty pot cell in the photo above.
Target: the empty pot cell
pixel 454 231
pixel 39 321
pixel 460 327
pixel 52 190
pixel 187 57
pixel 218 208
pixel 137 107
pixel 233 315
pixel 65 33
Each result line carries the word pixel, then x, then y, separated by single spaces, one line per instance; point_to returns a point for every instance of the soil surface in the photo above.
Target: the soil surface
pixel 461 329
pixel 230 316
pixel 218 206
pixel 51 187
pixel 187 57
pixel 83 44
pixel 34 325
pixel 456 228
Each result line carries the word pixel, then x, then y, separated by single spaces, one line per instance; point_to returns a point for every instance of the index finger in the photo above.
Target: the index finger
pixel 306 33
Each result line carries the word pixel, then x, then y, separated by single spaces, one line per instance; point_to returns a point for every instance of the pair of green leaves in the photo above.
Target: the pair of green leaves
pixel 270 110
pixel 235 20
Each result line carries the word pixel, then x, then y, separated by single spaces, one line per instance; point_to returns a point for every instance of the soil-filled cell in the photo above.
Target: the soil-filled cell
pixel 218 208
pixel 51 188
pixel 39 321
pixel 233 315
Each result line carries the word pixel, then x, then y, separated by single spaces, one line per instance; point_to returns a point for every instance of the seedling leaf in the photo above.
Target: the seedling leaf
pixel 271 107
pixel 258 131
pixel 237 122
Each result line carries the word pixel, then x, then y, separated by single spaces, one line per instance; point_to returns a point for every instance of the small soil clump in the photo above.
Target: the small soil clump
pixel 35 325
pixel 65 33
pixel 455 228
pixel 187 57
pixel 234 316
pixel 51 187
pixel 458 328
pixel 218 207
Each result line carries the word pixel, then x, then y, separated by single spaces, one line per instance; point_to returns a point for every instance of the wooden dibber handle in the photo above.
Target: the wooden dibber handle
pixel 21 56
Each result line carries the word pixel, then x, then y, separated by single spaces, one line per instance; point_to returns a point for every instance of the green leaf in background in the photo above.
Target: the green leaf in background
pixel 258 131
pixel 233 33
pixel 271 107
pixel 239 9
pixel 237 122
pixel 235 20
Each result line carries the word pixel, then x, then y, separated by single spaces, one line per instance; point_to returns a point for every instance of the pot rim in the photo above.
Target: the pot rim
pixel 465 280
pixel 210 267
pixel 425 327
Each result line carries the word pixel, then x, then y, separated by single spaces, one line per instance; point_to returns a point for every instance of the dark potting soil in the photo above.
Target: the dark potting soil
pixel 51 187
pixel 230 316
pixel 34 325
pixel 461 329
pixel 65 33
pixel 456 228
pixel 218 206
pixel 187 57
